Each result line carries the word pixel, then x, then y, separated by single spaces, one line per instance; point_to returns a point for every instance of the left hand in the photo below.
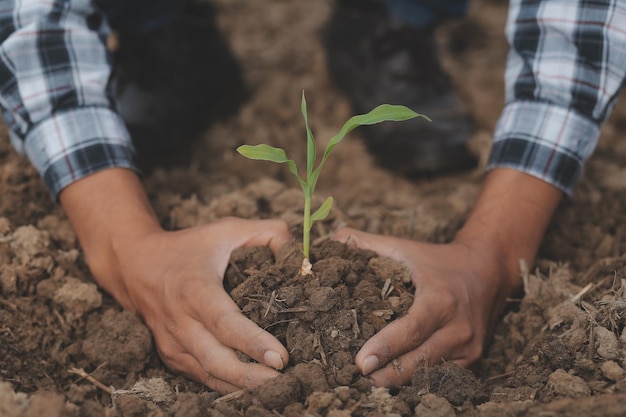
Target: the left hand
pixel 460 289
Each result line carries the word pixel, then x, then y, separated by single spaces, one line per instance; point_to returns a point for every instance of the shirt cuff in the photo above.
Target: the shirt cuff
pixel 544 140
pixel 72 144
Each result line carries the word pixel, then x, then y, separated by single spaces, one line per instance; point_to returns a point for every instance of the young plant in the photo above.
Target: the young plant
pixel 263 152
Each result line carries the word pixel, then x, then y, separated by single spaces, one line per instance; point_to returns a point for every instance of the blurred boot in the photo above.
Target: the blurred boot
pixel 173 81
pixel 375 58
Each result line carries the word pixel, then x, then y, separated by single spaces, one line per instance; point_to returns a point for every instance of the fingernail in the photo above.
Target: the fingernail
pixel 273 359
pixel 370 364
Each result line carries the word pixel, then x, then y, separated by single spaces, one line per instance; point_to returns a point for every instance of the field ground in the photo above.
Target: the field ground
pixel 559 350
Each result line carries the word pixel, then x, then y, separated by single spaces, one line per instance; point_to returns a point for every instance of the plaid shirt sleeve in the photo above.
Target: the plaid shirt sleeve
pixel 566 65
pixel 54 90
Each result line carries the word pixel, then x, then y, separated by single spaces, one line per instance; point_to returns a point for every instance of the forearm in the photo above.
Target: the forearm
pixel 509 219
pixel 109 210
pixel 559 90
pixel 461 288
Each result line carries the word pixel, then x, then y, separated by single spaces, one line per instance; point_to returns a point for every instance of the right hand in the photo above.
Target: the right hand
pixel 174 280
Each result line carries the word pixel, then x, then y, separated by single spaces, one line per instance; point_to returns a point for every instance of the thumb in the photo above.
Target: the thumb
pixel 249 233
pixel 383 245
pixel 271 233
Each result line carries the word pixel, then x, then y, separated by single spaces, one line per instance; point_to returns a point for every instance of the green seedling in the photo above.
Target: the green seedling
pixel 263 152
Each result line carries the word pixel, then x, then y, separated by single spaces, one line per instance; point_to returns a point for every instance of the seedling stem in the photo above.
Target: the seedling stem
pixel 263 152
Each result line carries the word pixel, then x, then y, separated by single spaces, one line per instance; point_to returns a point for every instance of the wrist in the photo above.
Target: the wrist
pixel 509 220
pixel 109 212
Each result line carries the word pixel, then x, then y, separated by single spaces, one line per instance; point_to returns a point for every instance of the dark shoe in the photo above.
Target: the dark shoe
pixel 173 81
pixel 374 58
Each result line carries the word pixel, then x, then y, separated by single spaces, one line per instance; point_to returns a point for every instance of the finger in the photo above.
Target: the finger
pixel 399 337
pixel 443 345
pixel 177 358
pixel 383 245
pixel 221 362
pixel 237 331
pixel 187 365
pixel 223 319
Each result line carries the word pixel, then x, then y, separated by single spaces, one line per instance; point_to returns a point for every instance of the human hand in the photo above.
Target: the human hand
pixel 459 293
pixel 174 281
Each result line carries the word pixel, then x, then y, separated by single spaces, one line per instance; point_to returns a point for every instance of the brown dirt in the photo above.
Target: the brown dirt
pixel 559 350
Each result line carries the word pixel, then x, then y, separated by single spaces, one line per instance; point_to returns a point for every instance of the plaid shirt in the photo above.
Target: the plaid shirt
pixel 55 93
pixel 566 65
pixel 564 71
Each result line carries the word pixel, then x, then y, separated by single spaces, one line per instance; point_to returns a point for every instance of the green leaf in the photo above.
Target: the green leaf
pixel 382 113
pixel 311 150
pixel 265 152
pixel 322 212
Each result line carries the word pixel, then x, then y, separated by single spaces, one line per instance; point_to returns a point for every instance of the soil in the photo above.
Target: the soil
pixel 560 347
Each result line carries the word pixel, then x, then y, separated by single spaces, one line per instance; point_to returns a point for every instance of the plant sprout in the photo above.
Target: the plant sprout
pixel 263 152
